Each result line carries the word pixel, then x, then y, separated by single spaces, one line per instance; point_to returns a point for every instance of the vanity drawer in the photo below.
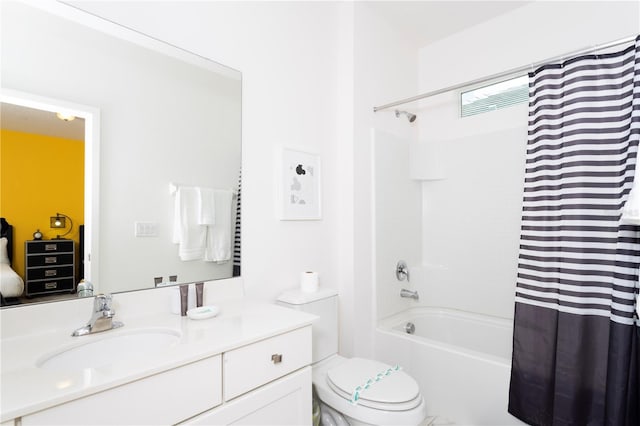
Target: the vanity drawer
pixel 254 365
pixel 50 260
pixel 50 273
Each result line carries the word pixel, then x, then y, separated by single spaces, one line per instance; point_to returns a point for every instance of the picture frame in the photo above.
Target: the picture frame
pixel 300 185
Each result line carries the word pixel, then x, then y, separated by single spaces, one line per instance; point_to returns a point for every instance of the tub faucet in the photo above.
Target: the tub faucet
pixel 101 318
pixel 409 294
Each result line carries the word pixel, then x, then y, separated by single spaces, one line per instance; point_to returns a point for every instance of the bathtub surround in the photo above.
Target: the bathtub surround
pixel 576 339
pixel 398 212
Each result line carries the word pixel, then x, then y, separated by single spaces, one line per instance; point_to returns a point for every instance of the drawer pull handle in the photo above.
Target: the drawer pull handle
pixel 50 247
pixel 276 358
pixel 51 285
pixel 50 273
pixel 50 260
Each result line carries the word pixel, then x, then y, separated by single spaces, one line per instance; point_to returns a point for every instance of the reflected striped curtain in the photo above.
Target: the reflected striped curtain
pixel 575 354
pixel 237 243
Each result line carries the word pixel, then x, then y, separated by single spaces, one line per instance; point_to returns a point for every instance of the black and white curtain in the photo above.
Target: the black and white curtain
pixel 576 334
pixel 237 231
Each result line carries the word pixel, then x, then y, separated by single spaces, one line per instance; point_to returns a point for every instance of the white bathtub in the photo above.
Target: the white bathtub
pixel 461 361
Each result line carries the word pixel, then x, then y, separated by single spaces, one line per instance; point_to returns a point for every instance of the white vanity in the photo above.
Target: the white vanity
pixel 248 365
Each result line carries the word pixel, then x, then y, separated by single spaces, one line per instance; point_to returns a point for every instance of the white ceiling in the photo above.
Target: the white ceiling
pixel 426 21
pixel 29 120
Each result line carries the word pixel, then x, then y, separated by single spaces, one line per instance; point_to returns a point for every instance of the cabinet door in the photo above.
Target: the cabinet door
pixel 286 401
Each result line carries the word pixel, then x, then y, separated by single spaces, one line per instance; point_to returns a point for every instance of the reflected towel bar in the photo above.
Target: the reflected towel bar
pixel 173 188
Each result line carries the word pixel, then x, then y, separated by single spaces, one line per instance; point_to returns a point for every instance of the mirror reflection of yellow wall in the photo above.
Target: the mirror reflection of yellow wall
pixel 39 177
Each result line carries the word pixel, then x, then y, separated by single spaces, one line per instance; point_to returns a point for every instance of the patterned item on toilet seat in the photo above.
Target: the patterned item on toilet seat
pixel 355 396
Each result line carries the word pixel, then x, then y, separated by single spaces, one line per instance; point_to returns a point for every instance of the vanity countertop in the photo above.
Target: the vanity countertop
pixel 26 388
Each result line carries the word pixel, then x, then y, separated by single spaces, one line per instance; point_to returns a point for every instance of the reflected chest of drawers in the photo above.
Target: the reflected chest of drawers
pixel 50 267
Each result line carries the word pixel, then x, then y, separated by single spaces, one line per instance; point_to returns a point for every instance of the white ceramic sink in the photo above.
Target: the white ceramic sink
pixel 110 347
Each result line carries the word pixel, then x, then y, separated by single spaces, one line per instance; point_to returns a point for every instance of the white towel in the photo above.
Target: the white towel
pixel 631 209
pixel 207 206
pixel 631 213
pixel 219 235
pixel 187 231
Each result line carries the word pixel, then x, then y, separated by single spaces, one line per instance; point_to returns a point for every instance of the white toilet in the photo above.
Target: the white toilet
pixel 353 391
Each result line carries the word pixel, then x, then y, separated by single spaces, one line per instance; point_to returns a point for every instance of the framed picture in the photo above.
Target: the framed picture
pixel 300 186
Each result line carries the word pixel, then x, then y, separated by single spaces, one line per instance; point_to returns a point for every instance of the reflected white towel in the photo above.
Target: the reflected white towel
pixel 219 235
pixel 187 230
pixel 207 206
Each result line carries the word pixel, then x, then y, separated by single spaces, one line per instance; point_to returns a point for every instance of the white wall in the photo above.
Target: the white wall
pixel 471 218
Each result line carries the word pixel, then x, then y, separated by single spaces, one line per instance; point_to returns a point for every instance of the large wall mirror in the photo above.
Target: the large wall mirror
pixel 147 186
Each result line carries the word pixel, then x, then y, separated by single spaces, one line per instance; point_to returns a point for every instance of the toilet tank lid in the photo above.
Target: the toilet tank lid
pixel 298 297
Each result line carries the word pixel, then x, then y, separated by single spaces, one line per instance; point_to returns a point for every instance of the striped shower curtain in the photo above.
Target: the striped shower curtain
pixel 575 344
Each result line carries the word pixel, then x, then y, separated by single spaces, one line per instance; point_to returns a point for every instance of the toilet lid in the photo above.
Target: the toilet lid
pixel 388 388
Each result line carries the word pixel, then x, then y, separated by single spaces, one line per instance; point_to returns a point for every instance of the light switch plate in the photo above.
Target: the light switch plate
pixel 146 229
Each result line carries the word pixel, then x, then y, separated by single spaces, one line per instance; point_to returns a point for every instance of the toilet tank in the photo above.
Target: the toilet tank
pixel 324 304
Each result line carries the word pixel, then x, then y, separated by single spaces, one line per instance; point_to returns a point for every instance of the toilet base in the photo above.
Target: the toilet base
pixel 330 417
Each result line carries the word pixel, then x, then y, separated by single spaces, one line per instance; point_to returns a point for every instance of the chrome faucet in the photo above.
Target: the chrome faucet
pixel 409 294
pixel 101 318
pixel 402 271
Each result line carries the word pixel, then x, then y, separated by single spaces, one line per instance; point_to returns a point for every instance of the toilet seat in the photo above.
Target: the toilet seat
pixel 378 385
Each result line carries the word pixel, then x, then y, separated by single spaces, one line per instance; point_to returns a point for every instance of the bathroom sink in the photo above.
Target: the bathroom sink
pixel 107 349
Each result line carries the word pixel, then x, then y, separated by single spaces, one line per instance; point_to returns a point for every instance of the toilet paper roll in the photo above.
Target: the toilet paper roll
pixel 309 282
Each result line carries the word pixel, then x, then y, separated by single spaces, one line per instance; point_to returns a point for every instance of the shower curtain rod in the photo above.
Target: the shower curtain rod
pixel 507 73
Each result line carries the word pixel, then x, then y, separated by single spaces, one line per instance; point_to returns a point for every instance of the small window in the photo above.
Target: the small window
pixel 494 96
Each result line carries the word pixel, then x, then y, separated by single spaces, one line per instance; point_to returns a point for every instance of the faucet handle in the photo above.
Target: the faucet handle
pixel 402 271
pixel 102 302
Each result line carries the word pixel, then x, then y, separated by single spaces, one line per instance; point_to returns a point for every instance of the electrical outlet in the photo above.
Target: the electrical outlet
pixel 146 229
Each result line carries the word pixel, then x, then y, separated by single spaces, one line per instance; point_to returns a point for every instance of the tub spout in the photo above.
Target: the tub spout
pixel 409 294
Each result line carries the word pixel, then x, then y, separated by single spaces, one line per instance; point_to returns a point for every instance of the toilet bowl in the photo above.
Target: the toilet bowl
pixel 353 391
pixel 393 400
